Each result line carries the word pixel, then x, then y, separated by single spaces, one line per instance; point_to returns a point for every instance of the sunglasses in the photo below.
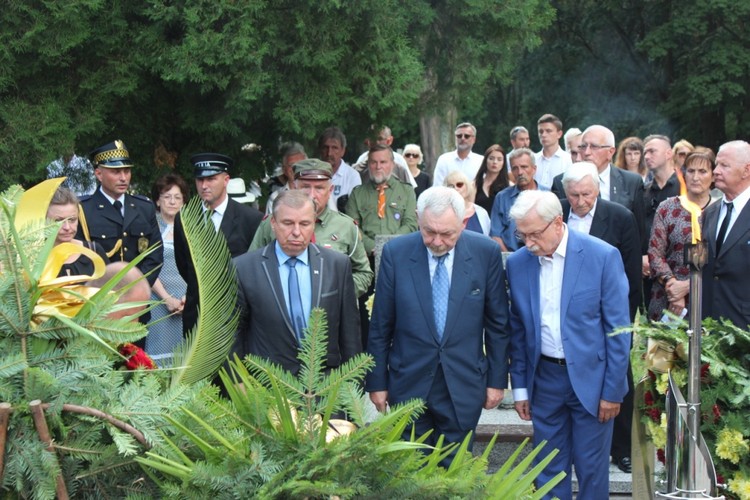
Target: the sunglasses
pixel 464 136
pixel 457 185
pixel 411 155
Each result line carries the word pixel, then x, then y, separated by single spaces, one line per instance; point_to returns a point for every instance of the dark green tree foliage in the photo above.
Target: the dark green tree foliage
pixel 189 76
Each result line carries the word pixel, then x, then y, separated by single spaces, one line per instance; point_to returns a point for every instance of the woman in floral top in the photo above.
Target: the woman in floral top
pixel 669 234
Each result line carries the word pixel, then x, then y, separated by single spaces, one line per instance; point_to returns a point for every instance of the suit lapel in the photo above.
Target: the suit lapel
pixel 420 274
pixel 227 220
pixel 316 261
pixel 710 223
pixel 599 222
pixel 574 260
pixel 739 230
pixel 460 282
pixel 106 208
pixel 270 266
pixel 130 211
pixel 616 185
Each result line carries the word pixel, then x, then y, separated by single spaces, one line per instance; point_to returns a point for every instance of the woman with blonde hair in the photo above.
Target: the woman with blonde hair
pixel 413 157
pixel 680 150
pixel 476 218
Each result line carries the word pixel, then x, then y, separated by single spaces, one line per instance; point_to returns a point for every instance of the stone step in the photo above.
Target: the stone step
pixel 512 431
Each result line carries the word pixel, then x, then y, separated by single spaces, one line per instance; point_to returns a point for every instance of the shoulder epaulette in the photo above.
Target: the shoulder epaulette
pixel 85 197
pixel 141 197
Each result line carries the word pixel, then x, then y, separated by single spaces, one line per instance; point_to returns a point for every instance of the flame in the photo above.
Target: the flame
pixel 694 209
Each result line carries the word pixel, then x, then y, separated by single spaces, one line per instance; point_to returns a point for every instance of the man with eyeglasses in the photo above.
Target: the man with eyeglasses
pixel 502 226
pixel 235 221
pixel 568 293
pixel 615 184
pixel 462 159
pixel 552 160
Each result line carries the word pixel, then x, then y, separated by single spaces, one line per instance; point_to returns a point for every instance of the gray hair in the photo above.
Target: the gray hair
pixel 572 133
pixel 609 136
pixel 517 130
pixel 414 148
pixel 578 171
pixel 292 148
pixel 545 203
pixel 520 152
pixel 292 198
pixel 740 148
pixel 438 199
pixel 467 125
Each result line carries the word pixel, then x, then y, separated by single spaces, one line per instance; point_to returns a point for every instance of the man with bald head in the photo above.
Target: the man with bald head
pixel 615 184
pixel 726 228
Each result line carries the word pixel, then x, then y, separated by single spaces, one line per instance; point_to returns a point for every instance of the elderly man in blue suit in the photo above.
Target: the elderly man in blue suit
pixel 568 292
pixel 439 324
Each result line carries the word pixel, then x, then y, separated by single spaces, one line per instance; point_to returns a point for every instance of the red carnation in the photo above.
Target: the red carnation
pixel 660 456
pixel 655 414
pixel 648 398
pixel 717 413
pixel 720 479
pixel 136 357
pixel 704 370
pixel 651 375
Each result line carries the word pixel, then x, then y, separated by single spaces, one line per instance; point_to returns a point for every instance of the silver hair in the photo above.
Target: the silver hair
pixel 292 148
pixel 572 133
pixel 414 148
pixel 517 130
pixel 520 152
pixel 438 199
pixel 465 125
pixel 609 136
pixel 544 203
pixel 578 171
pixel 740 148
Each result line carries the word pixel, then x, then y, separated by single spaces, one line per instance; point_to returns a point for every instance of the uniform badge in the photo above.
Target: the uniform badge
pixel 142 244
pixel 397 216
pixel 334 237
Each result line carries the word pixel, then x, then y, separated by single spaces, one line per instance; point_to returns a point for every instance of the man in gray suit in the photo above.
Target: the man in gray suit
pixel 282 282
pixel 726 228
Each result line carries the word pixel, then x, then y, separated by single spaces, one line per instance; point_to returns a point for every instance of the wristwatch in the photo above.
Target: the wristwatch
pixel 664 278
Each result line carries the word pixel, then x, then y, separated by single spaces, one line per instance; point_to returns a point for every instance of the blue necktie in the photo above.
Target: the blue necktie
pixel 440 288
pixel 296 312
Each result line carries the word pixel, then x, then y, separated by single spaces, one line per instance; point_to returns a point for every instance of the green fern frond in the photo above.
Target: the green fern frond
pixel 210 342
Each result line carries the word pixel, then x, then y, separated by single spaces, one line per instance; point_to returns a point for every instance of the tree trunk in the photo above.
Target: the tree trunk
pixel 436 131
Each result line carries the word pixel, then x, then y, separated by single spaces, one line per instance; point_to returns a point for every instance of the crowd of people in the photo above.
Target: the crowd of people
pixel 594 230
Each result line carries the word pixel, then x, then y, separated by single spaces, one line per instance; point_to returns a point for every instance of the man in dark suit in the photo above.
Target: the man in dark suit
pixel 568 293
pixel 439 324
pixel 282 282
pixel 725 290
pixel 615 224
pixel 237 222
pixel 123 224
pixel 616 185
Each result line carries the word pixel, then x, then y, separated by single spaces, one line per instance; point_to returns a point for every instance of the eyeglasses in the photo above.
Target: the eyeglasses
pixel 535 235
pixel 171 197
pixel 457 185
pixel 464 136
pixel 583 146
pixel 411 155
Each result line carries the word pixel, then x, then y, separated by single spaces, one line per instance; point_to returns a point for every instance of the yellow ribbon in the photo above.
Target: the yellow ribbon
pixel 63 295
pixel 660 356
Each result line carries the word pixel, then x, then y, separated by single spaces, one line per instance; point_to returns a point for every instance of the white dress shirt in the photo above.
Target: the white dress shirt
pixel 605 182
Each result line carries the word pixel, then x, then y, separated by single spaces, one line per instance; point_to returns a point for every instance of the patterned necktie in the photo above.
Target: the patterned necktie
pixel 296 312
pixel 381 199
pixel 724 226
pixel 118 206
pixel 440 288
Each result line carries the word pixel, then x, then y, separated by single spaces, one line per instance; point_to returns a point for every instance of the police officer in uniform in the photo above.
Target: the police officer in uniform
pixel 235 221
pixel 123 224
pixel 333 230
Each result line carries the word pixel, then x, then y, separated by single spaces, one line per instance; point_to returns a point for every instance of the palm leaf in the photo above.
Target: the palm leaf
pixel 209 343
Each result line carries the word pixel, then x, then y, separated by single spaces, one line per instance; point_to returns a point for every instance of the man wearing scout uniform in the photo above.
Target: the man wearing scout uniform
pixel 123 224
pixel 332 229
pixel 382 205
pixel 237 222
